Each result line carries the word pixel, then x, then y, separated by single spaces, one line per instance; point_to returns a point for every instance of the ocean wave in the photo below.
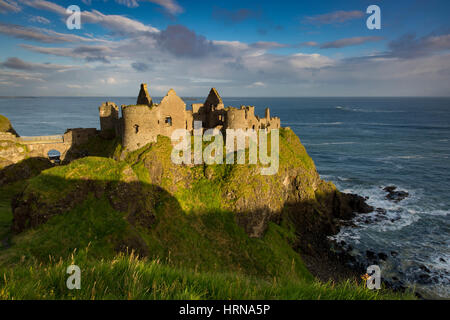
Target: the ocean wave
pixel 398 214
pixel 407 157
pixel 431 212
pixel 330 143
pixel 337 123
pixel 343 108
pixel 409 126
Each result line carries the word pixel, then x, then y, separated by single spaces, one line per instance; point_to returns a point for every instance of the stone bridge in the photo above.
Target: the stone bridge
pixel 14 149
pixel 39 146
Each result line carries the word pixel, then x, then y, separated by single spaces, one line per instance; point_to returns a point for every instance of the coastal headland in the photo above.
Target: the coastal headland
pixel 144 227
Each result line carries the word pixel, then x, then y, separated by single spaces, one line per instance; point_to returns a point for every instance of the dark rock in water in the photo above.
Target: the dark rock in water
pixel 397 196
pixel 394 253
pixel 394 195
pixel 383 256
pixel 381 211
pixel 370 255
pixel 389 189
pixel 358 203
pixel 442 260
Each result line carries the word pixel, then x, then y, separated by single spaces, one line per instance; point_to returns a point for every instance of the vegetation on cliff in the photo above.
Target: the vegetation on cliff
pixel 5 125
pixel 214 232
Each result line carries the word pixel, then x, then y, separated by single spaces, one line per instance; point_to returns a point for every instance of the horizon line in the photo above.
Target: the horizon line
pixel 225 97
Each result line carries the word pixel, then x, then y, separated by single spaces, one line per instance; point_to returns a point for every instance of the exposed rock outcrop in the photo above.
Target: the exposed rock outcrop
pixel 394 194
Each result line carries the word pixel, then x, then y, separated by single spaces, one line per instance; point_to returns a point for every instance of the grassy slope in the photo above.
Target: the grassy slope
pixel 195 248
pixel 5 124
pixel 126 277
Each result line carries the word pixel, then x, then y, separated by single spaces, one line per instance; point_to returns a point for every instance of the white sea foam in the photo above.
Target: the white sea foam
pixel 398 214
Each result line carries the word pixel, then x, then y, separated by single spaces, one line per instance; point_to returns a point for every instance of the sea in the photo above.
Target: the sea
pixel 360 144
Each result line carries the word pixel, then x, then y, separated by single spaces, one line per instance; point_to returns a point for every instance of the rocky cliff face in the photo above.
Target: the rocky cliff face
pixel 10 151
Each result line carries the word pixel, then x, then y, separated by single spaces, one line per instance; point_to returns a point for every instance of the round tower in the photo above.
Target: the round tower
pixel 235 119
pixel 140 126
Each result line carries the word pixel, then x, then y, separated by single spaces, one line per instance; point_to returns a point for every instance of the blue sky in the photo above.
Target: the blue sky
pixel 243 48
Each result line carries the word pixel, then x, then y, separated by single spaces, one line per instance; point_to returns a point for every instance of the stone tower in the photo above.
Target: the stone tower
pixel 214 108
pixel 109 119
pixel 144 97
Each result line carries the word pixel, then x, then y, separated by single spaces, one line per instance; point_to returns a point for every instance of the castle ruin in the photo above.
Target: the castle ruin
pixel 143 122
pixel 138 125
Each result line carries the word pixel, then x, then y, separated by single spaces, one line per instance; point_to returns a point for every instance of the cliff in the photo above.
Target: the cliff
pixel 141 227
pixel 195 216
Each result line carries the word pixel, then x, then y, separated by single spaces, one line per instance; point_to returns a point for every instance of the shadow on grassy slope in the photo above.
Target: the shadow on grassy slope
pixel 94 211
pixel 189 226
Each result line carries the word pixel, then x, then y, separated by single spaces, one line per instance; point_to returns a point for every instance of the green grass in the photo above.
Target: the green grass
pixel 93 224
pixel 57 182
pixel 6 194
pixel 5 124
pixel 126 277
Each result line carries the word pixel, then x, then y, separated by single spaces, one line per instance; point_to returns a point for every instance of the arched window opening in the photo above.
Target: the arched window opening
pixel 54 156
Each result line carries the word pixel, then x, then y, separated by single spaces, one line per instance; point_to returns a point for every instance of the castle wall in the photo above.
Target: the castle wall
pixel 79 135
pixel 172 114
pixel 252 120
pixel 109 120
pixel 197 108
pixel 189 118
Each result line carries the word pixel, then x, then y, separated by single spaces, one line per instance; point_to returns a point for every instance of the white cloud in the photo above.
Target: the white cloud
pixel 170 5
pixel 18 64
pixel 115 23
pixel 41 34
pixel 39 19
pixel 9 6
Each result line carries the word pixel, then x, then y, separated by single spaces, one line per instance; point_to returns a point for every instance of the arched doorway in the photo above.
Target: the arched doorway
pixel 54 156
